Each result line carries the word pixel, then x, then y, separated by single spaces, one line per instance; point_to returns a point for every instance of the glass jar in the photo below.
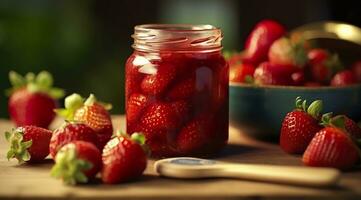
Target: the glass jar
pixel 177 89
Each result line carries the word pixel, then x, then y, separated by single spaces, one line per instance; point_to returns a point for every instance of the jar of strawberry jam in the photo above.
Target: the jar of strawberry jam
pixel 177 89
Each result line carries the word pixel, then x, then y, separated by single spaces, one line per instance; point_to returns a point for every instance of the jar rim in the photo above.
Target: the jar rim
pixel 177 37
pixel 176 27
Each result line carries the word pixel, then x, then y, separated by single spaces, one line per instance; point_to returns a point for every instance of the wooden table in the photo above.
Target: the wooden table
pixel 34 182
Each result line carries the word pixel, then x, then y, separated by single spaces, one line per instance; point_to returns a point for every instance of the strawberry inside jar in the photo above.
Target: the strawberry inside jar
pixel 177 89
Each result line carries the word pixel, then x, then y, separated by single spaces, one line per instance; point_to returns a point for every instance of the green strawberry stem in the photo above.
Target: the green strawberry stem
pixel 314 109
pixel 337 121
pixel 75 101
pixel 140 139
pixel 18 147
pixel 68 167
pixel 43 83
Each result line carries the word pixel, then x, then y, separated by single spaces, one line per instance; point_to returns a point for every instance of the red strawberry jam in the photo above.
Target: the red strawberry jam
pixel 177 89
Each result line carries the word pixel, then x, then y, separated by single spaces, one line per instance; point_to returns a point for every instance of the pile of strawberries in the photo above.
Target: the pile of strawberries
pixel 272 58
pixel 83 146
pixel 324 140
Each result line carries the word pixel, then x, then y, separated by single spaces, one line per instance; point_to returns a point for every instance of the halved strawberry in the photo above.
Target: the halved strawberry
pixel 70 132
pixel 77 162
pixel 155 84
pixel 28 143
pixel 300 125
pixel 331 147
pixel 91 112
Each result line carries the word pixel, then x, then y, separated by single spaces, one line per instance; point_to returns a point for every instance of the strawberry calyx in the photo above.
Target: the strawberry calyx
pixel 69 167
pixel 40 83
pixel 75 101
pixel 18 147
pixel 314 109
pixel 334 64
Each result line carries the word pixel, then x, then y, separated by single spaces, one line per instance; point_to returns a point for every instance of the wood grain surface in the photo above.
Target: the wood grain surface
pixel 34 182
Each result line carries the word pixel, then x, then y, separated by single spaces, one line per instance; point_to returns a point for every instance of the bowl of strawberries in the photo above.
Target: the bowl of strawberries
pixel 275 67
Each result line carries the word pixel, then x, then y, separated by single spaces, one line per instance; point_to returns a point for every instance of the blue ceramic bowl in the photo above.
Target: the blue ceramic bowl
pixel 259 110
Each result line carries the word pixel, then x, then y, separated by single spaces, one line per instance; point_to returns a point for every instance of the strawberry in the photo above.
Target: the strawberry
pixel 233 58
pixel 356 69
pixel 123 159
pixel 157 83
pixel 28 143
pixel 299 126
pixel 287 53
pixel 184 89
pixel 135 106
pixel 77 162
pixel 323 65
pixel 32 99
pixel 91 112
pixel 269 74
pixel 348 124
pixel 70 132
pixel 298 78
pixel 242 73
pixel 260 39
pixel 331 147
pixel 160 116
pixel 194 134
pixel 133 75
pixel 343 78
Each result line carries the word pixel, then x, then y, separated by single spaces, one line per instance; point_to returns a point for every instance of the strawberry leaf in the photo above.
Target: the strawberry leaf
pixel 16 80
pixel 68 167
pixel 18 147
pixel 315 109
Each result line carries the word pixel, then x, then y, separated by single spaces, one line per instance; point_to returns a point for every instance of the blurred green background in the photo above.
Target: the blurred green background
pixel 85 43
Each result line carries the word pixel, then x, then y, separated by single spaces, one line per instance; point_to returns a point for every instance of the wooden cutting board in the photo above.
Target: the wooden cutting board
pixel 34 182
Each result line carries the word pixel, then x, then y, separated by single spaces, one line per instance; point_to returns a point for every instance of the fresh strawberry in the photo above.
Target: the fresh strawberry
pixel 269 74
pixel 352 128
pixel 70 132
pixel 183 90
pixel 356 68
pixel 123 159
pixel 298 78
pixel 343 78
pixel 242 73
pixel 28 143
pixel 299 126
pixel 77 162
pixel 323 65
pixel 260 39
pixel 135 106
pixel 155 84
pixel 91 112
pixel 194 134
pixel 331 147
pixel 286 53
pixel 32 99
